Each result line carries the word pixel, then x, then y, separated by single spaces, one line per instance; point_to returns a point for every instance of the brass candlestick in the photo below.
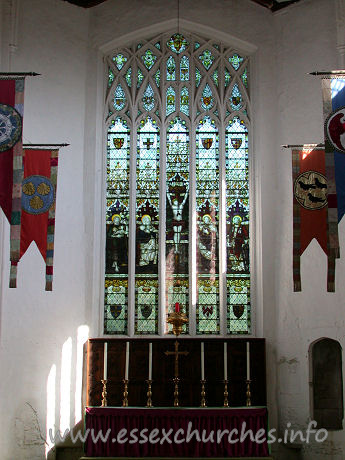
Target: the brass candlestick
pixel 125 394
pixel 104 393
pixel 203 393
pixel 149 393
pixel 248 394
pixel 226 394
pixel 176 381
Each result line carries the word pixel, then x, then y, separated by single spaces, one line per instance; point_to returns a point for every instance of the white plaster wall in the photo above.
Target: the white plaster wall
pixel 306 41
pixel 52 40
pixel 65 104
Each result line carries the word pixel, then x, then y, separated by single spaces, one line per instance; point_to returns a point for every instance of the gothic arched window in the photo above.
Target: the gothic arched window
pixel 177 217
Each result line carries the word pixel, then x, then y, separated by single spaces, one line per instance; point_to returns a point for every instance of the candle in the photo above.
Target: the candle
pixel 127 361
pixel 150 361
pixel 105 371
pixel 202 362
pixel 225 361
pixel 177 307
pixel 248 362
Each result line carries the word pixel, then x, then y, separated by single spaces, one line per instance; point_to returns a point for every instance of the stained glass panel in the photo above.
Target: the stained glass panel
pixel 244 77
pixel 170 99
pixel 236 98
pixel 128 77
pixel 215 77
pixel 197 77
pixel 119 98
pixel 207 100
pixel 237 228
pixel 119 60
pixel 171 67
pixel 149 59
pixel 227 78
pixel 111 77
pixel 148 98
pixel 207 59
pixel 184 69
pixel 177 43
pixel 184 101
pixel 177 216
pixel 140 78
pixel 158 78
pixel 207 212
pixel 147 224
pixel 236 61
pixel 116 260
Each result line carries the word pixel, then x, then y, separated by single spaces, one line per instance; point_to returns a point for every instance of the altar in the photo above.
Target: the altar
pixel 232 423
pixel 176 432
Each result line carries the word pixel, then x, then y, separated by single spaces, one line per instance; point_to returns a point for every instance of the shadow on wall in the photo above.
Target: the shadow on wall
pixel 64 414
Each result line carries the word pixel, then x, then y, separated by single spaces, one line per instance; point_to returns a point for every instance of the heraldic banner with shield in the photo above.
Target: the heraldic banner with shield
pixel 310 209
pixel 333 93
pixel 11 171
pixel 38 208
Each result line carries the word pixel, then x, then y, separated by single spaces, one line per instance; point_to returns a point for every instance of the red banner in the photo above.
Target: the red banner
pixel 38 207
pixel 310 209
pixel 11 113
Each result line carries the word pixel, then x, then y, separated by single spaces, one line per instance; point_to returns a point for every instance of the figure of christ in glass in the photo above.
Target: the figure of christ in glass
pixel 177 217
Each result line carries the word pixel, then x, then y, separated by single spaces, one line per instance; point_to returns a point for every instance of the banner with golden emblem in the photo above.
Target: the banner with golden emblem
pixel 310 210
pixel 38 208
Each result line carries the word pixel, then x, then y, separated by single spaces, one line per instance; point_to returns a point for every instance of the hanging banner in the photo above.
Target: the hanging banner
pixel 11 170
pixel 333 93
pixel 38 208
pixel 310 210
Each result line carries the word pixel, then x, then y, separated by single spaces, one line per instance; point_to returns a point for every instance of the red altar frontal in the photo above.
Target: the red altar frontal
pixel 176 432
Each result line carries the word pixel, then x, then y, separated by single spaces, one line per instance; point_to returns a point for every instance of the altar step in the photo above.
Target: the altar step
pixel 177 458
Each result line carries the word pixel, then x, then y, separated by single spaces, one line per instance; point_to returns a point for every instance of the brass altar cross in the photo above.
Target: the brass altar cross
pixel 176 378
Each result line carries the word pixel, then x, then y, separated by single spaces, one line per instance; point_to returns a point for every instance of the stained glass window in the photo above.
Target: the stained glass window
pixel 207 211
pixel 237 228
pixel 177 216
pixel 147 225
pixel 117 221
pixel 171 103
